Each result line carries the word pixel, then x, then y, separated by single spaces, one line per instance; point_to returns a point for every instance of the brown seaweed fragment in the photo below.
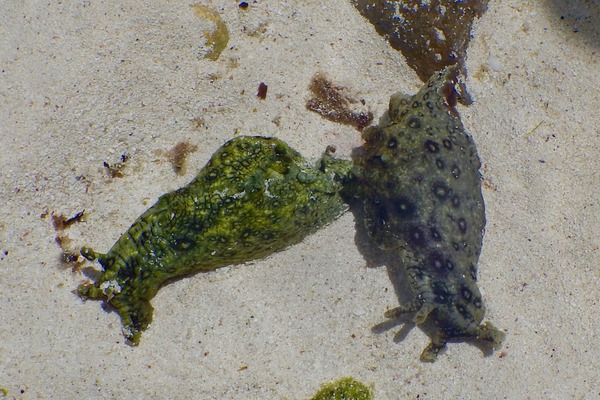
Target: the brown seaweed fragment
pixel 116 170
pixel 61 222
pixel 333 105
pixel 178 155
pixel 431 34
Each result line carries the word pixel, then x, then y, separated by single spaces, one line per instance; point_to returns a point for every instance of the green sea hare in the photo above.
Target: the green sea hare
pixel 418 175
pixel 255 196
pixel 344 389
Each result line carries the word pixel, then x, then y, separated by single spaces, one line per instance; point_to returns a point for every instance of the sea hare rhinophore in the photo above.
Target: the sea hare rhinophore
pixel 255 196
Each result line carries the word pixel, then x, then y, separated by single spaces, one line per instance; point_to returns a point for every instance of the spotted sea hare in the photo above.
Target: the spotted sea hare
pixel 418 176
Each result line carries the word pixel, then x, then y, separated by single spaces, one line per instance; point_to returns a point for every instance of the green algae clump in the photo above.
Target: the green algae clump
pixel 344 389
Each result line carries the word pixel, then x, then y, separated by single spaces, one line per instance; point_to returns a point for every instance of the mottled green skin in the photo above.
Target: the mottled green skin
pixel 418 174
pixel 255 196
pixel 344 389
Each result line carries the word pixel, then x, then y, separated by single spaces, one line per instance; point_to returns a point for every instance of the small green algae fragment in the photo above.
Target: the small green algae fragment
pixel 255 196
pixel 344 389
pixel 217 38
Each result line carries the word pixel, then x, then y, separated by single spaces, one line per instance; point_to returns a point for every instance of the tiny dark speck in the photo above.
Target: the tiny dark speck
pixel 542 161
pixel 243 5
pixel 262 91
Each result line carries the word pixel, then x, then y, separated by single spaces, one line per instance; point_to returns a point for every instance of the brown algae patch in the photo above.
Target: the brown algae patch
pixel 431 34
pixel 178 156
pixel 330 102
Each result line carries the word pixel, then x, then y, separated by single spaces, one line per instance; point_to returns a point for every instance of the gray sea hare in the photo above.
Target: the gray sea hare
pixel 418 176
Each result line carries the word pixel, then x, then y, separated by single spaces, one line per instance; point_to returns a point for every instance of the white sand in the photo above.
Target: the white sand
pixel 84 82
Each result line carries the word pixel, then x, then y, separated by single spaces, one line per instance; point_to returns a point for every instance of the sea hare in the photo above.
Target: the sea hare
pixel 255 196
pixel 418 176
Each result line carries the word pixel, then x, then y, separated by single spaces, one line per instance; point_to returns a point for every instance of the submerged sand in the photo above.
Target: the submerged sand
pixel 83 83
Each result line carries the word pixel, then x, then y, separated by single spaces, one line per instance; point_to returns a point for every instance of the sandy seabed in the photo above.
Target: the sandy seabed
pixel 86 82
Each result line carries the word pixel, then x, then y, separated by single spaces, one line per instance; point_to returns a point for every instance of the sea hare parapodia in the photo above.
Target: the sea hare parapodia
pixel 255 196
